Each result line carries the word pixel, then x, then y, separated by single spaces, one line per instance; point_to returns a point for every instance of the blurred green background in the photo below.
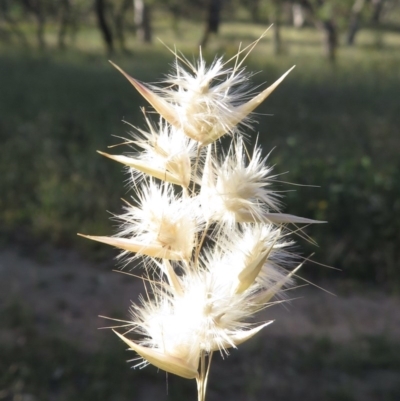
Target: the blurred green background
pixel 333 123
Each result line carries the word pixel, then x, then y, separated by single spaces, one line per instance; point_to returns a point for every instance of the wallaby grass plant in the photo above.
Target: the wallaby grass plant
pixel 206 225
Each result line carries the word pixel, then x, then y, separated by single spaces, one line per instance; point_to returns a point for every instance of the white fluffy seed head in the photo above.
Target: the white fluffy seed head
pixel 206 103
pixel 165 324
pixel 251 256
pixel 236 188
pixel 167 149
pixel 205 98
pixel 217 247
pixel 206 316
pixel 162 218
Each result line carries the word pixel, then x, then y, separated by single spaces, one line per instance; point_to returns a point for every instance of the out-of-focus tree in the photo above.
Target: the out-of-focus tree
pixel 331 15
pixel 121 10
pixel 116 18
pixel 66 14
pixel 298 15
pixel 321 13
pixel 375 8
pixel 276 21
pixel 65 20
pixel 354 21
pixel 213 20
pixel 176 13
pixel 103 24
pixel 9 12
pixel 208 10
pixel 143 20
pixel 254 7
pixel 190 9
pixel 69 16
pixel 39 9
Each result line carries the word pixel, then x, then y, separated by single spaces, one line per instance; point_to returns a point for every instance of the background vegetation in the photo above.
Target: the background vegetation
pixel 333 123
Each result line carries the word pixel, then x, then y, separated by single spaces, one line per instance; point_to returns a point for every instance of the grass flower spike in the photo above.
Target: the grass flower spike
pixel 206 103
pixel 207 224
pixel 166 154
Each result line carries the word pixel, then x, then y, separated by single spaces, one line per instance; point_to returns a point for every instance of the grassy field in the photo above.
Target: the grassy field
pixel 335 126
pixel 320 347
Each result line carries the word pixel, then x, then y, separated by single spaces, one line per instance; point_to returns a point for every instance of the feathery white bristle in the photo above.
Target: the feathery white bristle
pixel 233 187
pixel 162 218
pixel 166 148
pixel 205 98
pixel 208 226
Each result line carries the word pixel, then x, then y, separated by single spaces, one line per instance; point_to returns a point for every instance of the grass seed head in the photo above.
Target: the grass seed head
pixel 210 226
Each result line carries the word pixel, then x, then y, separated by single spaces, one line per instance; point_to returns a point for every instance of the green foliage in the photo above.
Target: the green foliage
pixel 333 126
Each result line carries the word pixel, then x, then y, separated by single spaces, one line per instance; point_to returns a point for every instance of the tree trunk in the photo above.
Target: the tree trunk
pixel 65 19
pixel 277 41
pixel 40 28
pixel 119 23
pixel 330 39
pixel 354 21
pixel 298 16
pixel 74 22
pixel 255 10
pixel 326 26
pixel 176 13
pixel 103 25
pixel 143 21
pixel 36 8
pixel 377 10
pixel 213 20
pixel 41 20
